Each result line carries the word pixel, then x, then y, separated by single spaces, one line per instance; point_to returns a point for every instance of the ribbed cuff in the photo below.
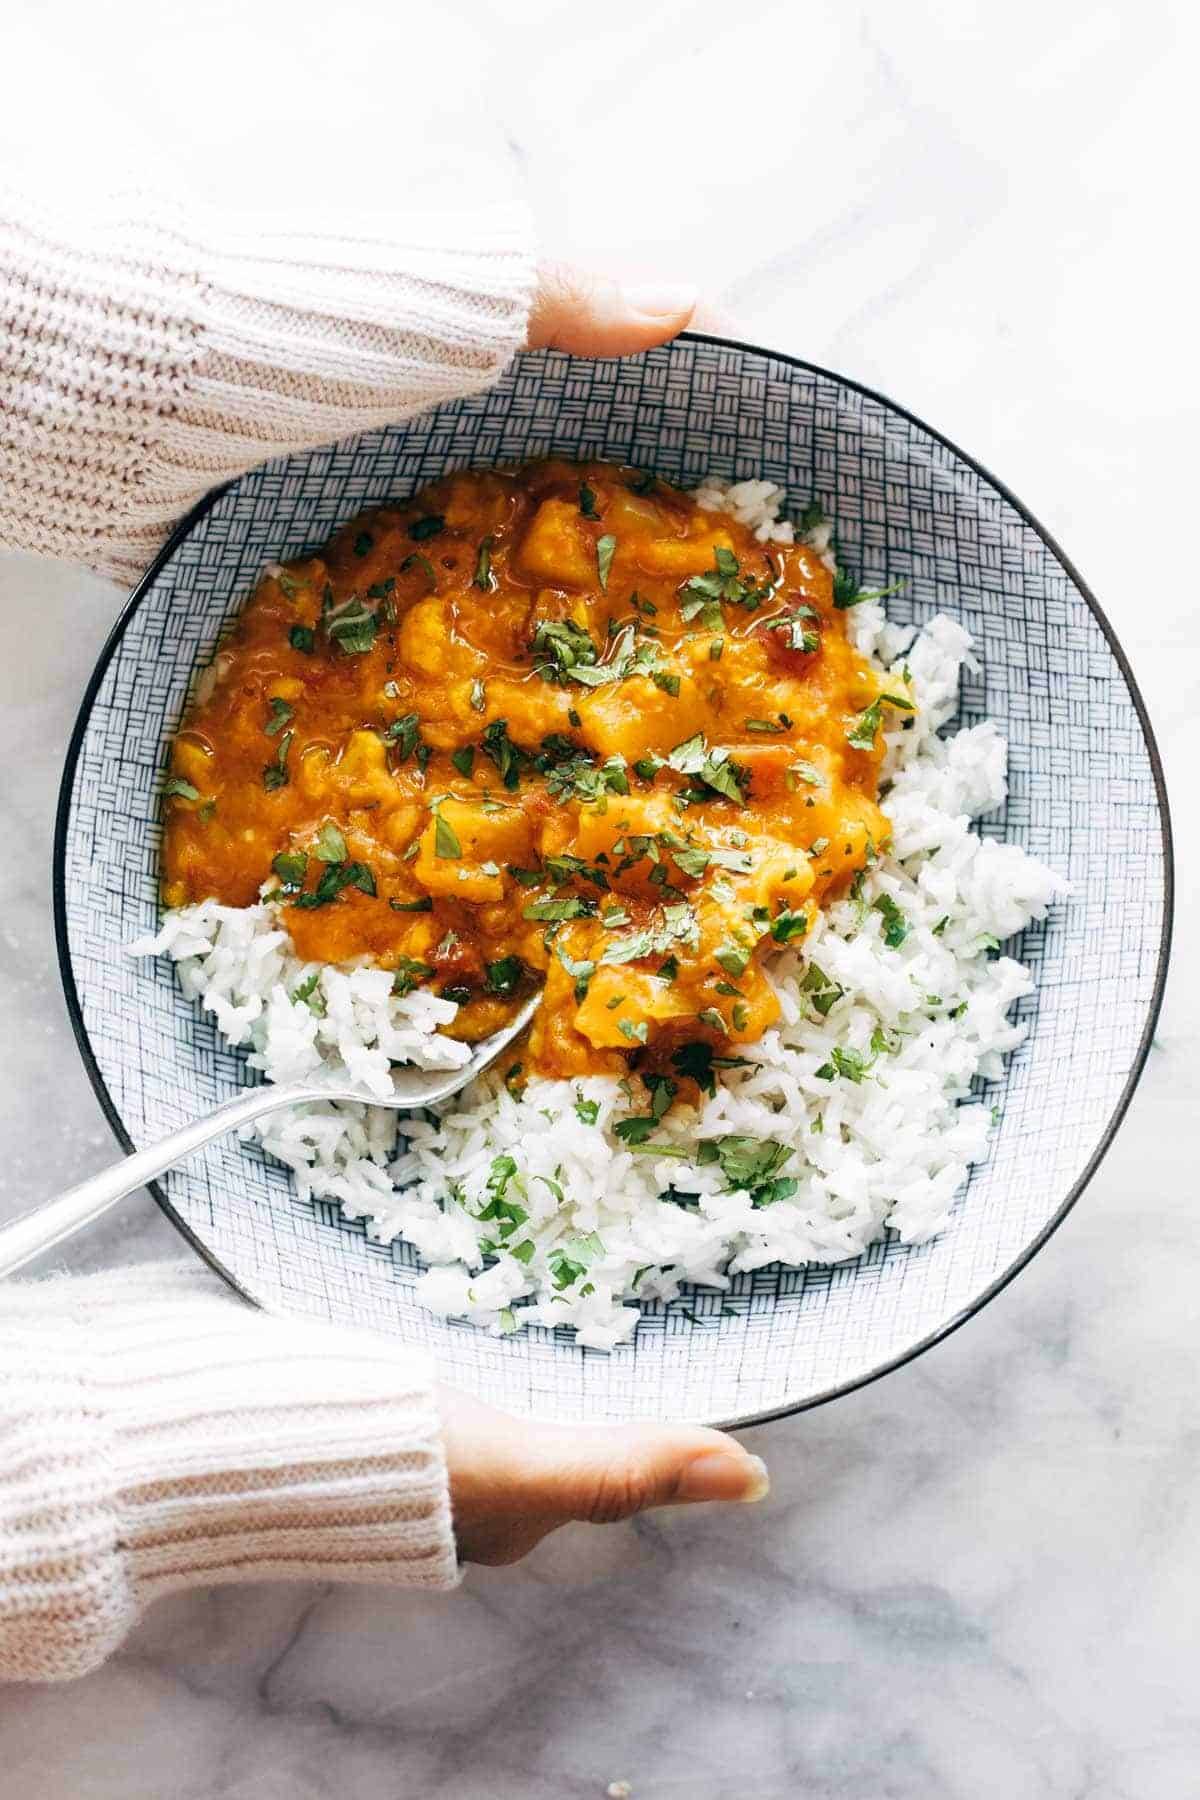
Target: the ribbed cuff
pixel 159 1434
pixel 156 351
pixel 243 1446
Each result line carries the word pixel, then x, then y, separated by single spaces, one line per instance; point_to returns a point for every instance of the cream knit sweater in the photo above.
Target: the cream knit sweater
pixel 155 1432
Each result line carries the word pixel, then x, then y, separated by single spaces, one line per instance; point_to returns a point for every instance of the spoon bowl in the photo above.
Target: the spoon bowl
pixel 49 1223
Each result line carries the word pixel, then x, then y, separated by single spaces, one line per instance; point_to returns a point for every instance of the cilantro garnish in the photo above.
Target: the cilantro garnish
pixel 895 925
pixel 862 731
pixel 281 714
pixel 445 842
pixel 499 746
pixel 291 866
pixel 504 977
pixel 330 846
pixel 275 775
pixel 353 628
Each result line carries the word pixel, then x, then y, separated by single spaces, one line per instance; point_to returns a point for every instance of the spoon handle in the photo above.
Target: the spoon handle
pixel 49 1223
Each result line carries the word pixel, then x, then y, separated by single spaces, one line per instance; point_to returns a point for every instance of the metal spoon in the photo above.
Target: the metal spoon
pixel 49 1223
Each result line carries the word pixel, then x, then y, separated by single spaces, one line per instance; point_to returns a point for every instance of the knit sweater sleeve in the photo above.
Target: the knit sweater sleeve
pixel 156 1434
pixel 147 354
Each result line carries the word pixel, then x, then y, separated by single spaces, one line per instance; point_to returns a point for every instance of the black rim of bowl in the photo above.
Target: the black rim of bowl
pixel 184 529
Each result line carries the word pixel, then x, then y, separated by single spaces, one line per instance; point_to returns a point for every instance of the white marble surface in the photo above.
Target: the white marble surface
pixel 978 1579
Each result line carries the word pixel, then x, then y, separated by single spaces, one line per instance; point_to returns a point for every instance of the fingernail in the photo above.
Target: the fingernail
pixel 718 1475
pixel 659 301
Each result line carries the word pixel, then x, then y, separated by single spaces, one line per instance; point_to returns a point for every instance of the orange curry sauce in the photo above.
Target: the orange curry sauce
pixel 549 723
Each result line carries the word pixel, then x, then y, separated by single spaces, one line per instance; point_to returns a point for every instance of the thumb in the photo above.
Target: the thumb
pixel 514 1480
pixel 606 1473
pixel 590 315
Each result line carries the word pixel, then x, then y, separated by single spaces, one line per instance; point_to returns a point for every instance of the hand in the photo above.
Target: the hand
pixel 592 316
pixel 512 1481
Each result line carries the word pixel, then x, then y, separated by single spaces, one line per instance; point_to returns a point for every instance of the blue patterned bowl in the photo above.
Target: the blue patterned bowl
pixel 1086 796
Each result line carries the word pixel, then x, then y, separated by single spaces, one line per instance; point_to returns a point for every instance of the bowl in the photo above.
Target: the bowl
pixel 1086 795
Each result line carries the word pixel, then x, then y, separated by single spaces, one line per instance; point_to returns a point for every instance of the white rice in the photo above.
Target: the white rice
pixel 891 1149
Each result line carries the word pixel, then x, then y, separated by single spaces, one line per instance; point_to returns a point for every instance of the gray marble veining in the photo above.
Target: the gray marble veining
pixel 976 1580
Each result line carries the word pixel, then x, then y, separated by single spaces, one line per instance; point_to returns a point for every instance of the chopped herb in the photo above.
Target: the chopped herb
pixel 895 925
pixel 581 973
pixel 445 843
pixel 281 714
pixel 363 543
pixel 428 527
pixel 941 925
pixel 408 974
pixel 353 628
pixel 636 1033
pixel 821 993
pixel 788 925
pixel 775 725
pixel 379 590
pixel 716 649
pixel 862 732
pixel 499 746
pixel 305 994
pixel 702 594
pixel 798 625
pixel 629 949
pixel 175 784
pixel 335 877
pixel 587 501
pixel 720 774
pixel 695 1061
pixel 291 866
pixel 464 759
pixel 850 1064
pixel 567 645
pixel 483 566
pixel 504 977
pixel 733 958
pixel 405 735
pixel 275 775
pixel 847 593
pixel 414 560
pixel 605 546
pixel 642 482
pixel 570 1261
pixel 636 1130
pixel 588 1111
pixel 423 904
pixel 668 683
pixel 751 1164
pixel 302 638
pixel 555 911
pixel 330 846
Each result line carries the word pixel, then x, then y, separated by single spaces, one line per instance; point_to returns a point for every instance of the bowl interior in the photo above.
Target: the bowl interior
pixel 1084 795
